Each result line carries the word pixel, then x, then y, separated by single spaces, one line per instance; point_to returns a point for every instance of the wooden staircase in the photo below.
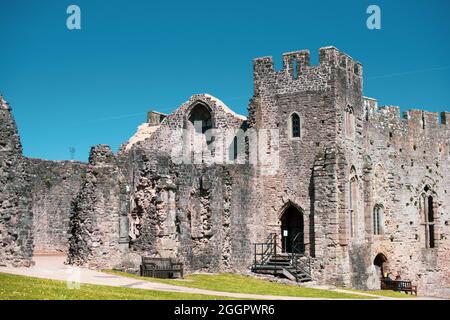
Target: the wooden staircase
pixel 268 259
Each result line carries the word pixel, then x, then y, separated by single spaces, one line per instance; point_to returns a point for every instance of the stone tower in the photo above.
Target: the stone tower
pixel 314 100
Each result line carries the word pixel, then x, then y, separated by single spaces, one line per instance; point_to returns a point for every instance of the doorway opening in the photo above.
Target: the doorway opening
pixel 292 230
pixel 380 264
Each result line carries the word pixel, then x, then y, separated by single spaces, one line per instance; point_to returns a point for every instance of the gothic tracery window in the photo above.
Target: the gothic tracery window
pixel 428 217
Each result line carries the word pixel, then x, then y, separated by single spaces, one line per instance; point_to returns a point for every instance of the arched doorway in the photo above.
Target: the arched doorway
pixel 292 230
pixel 380 263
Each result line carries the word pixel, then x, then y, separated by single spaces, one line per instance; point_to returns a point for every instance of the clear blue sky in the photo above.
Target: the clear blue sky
pixel 95 85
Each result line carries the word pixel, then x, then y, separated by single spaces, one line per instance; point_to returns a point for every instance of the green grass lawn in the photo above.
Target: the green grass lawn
pixel 13 287
pixel 227 282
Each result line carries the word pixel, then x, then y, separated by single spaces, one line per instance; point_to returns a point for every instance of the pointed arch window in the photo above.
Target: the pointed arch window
pixel 428 217
pixel 378 219
pixel 201 118
pixel 352 201
pixel 295 125
pixel 200 124
pixel 349 122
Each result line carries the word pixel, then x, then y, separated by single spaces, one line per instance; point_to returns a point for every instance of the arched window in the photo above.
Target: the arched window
pixel 349 122
pixel 200 117
pixel 378 219
pixel 201 122
pixel 295 125
pixel 233 149
pixel 428 214
pixel 352 200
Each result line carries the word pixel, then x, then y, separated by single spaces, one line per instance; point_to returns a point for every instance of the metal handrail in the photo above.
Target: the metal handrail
pixel 269 248
pixel 295 257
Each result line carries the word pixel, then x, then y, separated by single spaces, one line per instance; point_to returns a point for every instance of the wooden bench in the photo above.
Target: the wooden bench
pixel 398 285
pixel 161 268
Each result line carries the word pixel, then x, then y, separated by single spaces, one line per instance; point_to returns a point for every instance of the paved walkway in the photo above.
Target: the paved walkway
pixel 53 267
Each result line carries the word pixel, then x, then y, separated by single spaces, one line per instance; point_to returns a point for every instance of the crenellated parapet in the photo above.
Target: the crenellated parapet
pixel 298 74
pixel 411 123
pixel 415 135
pixel 445 119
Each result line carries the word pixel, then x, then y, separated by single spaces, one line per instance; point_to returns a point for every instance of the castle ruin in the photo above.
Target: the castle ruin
pixel 363 189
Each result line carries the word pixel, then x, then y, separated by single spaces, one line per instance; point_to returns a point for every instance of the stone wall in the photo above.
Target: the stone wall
pixel 54 185
pixel 95 215
pixel 35 198
pixel 408 156
pixel 16 236
pixel 197 212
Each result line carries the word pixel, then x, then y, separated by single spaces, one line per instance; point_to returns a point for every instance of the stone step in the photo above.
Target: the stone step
pixel 279 263
pixel 280 259
pixel 287 272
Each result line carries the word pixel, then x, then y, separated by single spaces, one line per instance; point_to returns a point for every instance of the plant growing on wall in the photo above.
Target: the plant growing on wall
pixel 48 182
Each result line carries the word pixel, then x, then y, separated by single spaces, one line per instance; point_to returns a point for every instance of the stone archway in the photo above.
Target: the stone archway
pixel 292 230
pixel 380 263
pixel 375 270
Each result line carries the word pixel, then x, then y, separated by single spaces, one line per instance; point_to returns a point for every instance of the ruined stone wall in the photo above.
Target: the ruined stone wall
pixel 96 211
pixel 16 237
pixel 216 223
pixel 408 155
pixel 54 186
pixel 196 212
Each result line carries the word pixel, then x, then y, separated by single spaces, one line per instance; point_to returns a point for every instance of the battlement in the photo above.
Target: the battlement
pixel 426 120
pixel 296 65
pixel 445 119
pixel 370 107
pixel 412 123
